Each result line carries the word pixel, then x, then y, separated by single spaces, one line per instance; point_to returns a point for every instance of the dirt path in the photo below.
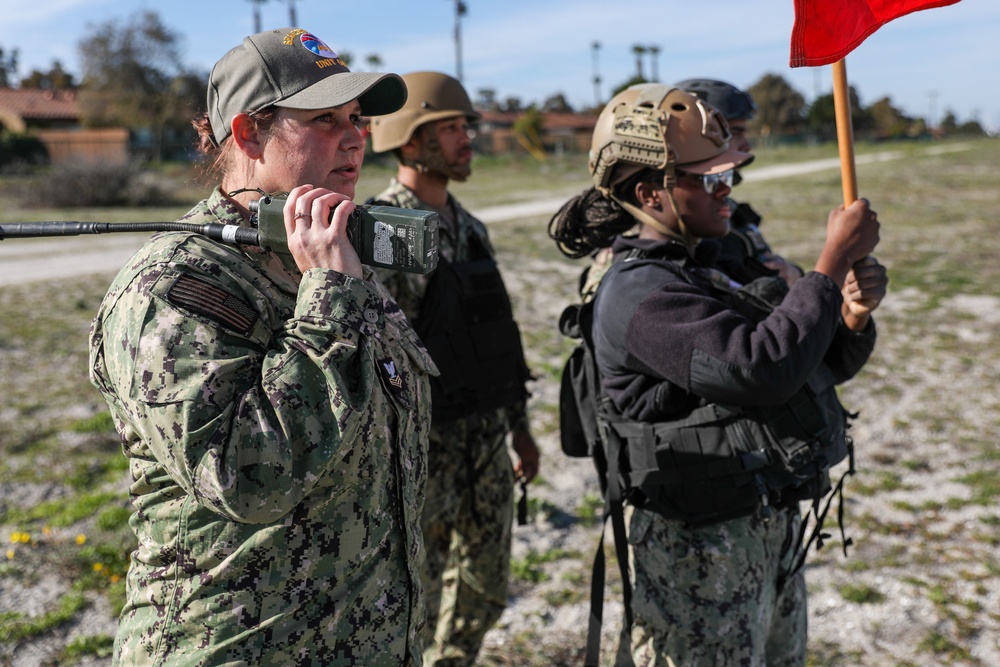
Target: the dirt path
pixel 29 260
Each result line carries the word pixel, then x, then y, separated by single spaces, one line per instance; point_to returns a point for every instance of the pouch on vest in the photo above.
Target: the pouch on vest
pixel 702 469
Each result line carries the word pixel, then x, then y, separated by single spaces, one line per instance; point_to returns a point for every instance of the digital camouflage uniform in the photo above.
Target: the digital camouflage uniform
pixel 468 510
pixel 276 427
pixel 702 594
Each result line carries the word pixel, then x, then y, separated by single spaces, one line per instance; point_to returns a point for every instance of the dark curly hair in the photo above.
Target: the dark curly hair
pixel 590 221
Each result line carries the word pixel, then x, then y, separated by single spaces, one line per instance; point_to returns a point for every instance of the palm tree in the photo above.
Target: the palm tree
pixel 375 61
pixel 638 50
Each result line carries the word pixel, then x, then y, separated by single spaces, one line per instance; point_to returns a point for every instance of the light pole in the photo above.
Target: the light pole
pixel 460 9
pixel 292 18
pixel 639 50
pixel 596 46
pixel 654 65
pixel 256 14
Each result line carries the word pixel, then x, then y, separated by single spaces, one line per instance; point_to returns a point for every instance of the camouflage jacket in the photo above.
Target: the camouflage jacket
pixel 453 245
pixel 276 425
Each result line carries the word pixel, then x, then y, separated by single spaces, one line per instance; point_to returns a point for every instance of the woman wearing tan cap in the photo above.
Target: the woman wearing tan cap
pixel 274 408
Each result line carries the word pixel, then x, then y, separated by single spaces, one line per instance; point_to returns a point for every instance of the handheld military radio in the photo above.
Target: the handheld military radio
pixel 386 237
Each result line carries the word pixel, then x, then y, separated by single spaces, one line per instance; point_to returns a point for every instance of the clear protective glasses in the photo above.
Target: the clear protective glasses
pixel 711 182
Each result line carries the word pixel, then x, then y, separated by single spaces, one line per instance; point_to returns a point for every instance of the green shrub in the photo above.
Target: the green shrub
pixel 19 150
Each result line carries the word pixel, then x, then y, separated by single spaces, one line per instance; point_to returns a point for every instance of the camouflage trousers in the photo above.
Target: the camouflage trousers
pixel 708 597
pixel 467 524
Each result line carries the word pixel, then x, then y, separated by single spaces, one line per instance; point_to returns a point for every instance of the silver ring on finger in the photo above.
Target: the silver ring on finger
pixel 301 215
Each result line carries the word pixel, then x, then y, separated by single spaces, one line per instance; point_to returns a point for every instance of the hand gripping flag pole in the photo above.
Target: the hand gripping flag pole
pixel 824 32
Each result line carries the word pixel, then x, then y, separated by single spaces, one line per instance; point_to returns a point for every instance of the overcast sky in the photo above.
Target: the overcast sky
pixel 927 63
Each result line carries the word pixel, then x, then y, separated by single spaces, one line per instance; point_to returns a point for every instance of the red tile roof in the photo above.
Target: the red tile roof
pixel 38 104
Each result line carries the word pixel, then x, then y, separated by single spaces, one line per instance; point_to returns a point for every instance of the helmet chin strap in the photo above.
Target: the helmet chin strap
pixel 687 238
pixel 683 236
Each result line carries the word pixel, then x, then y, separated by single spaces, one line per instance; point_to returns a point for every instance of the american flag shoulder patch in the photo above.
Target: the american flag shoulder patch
pixel 213 302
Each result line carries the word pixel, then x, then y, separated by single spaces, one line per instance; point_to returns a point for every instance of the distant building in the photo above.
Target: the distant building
pixel 54 117
pixel 561 132
pixel 25 109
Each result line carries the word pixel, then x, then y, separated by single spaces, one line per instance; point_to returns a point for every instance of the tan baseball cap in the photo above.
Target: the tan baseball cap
pixel 290 67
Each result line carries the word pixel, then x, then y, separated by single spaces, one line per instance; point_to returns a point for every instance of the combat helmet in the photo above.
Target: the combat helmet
pixel 733 103
pixel 431 96
pixel 655 126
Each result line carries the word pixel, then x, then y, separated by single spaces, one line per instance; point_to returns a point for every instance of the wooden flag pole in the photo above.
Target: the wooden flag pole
pixel 845 132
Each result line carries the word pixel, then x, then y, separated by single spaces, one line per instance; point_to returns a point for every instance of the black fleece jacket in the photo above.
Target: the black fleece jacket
pixel 668 341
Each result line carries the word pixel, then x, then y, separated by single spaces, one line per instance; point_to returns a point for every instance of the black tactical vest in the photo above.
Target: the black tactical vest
pixel 720 462
pixel 467 324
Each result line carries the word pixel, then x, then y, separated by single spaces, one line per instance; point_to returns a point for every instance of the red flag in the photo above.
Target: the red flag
pixel 827 30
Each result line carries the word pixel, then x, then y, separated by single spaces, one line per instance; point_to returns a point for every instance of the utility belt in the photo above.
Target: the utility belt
pixel 719 463
pixel 467 324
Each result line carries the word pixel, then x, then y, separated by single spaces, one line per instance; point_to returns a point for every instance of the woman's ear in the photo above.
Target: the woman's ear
pixel 247 136
pixel 648 195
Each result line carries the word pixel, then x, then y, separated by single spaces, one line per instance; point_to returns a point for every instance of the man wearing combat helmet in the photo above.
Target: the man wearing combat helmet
pixel 462 312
